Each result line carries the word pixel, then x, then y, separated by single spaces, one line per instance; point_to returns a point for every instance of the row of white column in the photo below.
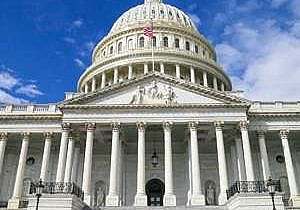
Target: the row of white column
pixel 146 71
pixel 65 162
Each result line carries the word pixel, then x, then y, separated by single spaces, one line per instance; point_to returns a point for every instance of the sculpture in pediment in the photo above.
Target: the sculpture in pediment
pixel 154 94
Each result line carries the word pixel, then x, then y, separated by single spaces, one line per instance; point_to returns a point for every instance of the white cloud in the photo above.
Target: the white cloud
pixel 77 23
pixel 70 40
pixel 30 90
pixel 272 66
pixel 6 98
pixel 79 63
pixel 195 18
pixel 7 80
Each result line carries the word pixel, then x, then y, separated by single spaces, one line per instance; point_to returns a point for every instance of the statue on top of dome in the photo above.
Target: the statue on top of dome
pixel 153 1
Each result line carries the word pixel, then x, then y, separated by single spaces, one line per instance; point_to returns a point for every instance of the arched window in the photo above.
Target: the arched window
pixel 196 49
pixel 142 42
pixel 154 41
pixel 120 46
pixel 177 43
pixel 111 50
pixel 130 44
pixel 187 46
pixel 166 42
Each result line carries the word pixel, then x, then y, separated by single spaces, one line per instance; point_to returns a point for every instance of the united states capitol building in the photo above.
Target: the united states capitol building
pixel 142 130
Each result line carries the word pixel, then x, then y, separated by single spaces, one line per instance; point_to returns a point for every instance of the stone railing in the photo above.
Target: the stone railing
pixel 261 107
pixel 29 109
pixel 59 188
pixel 251 187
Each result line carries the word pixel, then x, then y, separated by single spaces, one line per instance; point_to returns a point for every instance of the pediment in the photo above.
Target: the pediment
pixel 155 90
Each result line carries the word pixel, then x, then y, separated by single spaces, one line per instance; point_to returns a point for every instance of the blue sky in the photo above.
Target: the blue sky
pixel 45 45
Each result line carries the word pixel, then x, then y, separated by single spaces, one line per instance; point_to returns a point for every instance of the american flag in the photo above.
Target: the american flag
pixel 148 31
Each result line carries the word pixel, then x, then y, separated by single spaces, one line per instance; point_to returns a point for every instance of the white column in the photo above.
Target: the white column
pixel 247 151
pixel 205 83
pixel 3 142
pixel 289 163
pixel 178 71
pixel 190 192
pixel 240 159
pixel 46 156
pixel 141 197
pixel 74 177
pixel 88 162
pixel 192 72
pixel 264 155
pixel 162 68
pixel 130 72
pixel 113 198
pixel 103 80
pixel 86 88
pixel 116 75
pixel 215 80
pixel 62 152
pixel 222 163
pixel 222 86
pixel 198 198
pixel 169 197
pixel 146 68
pixel 93 84
pixel 69 162
pixel 21 167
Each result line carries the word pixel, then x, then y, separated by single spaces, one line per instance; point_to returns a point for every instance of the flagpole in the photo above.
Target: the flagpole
pixel 152 43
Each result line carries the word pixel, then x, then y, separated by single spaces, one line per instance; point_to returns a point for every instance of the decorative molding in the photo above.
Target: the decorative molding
pixel 193 125
pixel 244 125
pixel 284 134
pixel 66 126
pixel 90 126
pixel 219 125
pixel 167 125
pixel 141 126
pixel 48 135
pixel 3 136
pixel 25 136
pixel 116 126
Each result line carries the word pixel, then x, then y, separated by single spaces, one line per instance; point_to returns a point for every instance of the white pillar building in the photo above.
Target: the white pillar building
pixel 3 142
pixel 46 156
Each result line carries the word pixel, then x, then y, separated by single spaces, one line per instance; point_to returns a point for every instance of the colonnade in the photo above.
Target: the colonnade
pixel 101 81
pixel 67 153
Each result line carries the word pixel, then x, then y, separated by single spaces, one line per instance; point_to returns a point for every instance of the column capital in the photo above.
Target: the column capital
pixel 66 126
pixel 116 126
pixel 141 125
pixel 219 125
pixel 3 136
pixel 244 125
pixel 90 126
pixel 284 133
pixel 48 135
pixel 26 135
pixel 167 125
pixel 193 125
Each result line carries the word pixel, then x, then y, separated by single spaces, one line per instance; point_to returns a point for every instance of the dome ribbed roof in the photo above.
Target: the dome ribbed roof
pixel 160 13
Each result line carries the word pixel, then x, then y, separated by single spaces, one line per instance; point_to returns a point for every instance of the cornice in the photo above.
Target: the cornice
pixel 30 117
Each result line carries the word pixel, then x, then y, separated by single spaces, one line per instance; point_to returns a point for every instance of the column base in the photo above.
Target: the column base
pixel 295 201
pixel 222 199
pixel 198 200
pixel 14 203
pixel 87 199
pixel 170 200
pixel 112 200
pixel 140 200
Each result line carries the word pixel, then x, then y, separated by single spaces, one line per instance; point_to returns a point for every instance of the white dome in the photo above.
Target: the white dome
pixel 160 13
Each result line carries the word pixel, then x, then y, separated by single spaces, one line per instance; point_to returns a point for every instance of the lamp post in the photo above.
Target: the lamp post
pixel 39 190
pixel 272 188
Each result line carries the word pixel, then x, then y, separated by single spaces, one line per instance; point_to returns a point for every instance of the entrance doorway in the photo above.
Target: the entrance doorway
pixel 155 190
